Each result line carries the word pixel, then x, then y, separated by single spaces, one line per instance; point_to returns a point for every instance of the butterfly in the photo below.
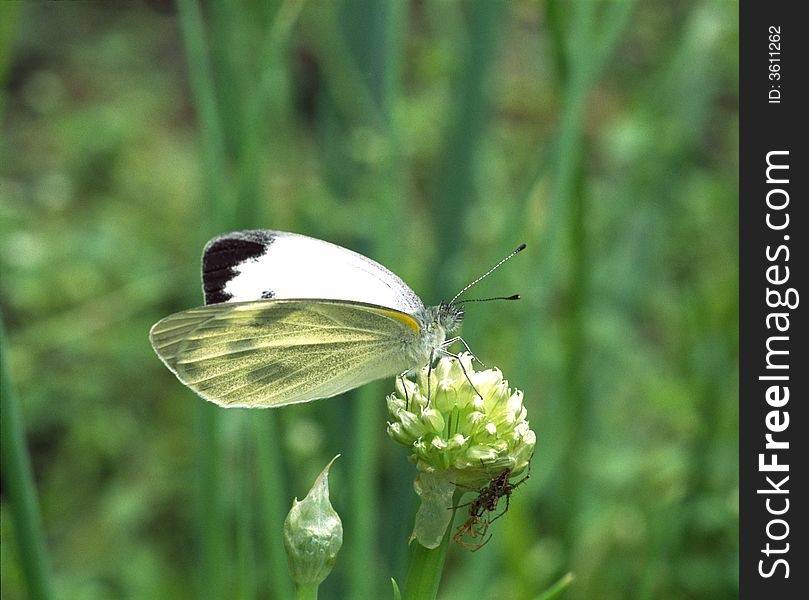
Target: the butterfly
pixel 290 318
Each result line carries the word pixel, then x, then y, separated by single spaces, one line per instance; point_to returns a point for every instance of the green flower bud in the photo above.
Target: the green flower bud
pixel 459 436
pixel 313 534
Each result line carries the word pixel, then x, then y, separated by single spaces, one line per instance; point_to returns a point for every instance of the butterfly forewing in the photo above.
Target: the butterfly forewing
pixel 263 264
pixel 273 353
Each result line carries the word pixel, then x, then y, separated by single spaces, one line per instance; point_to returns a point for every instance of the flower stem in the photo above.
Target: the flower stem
pixel 306 592
pixel 426 566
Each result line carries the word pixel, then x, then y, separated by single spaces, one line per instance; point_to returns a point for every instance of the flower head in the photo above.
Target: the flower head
pixel 475 436
pixel 464 435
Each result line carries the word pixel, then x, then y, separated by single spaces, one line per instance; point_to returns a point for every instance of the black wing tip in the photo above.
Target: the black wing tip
pixel 256 236
pixel 222 256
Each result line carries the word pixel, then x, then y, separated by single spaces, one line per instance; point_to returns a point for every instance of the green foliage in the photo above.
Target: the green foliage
pixel 433 136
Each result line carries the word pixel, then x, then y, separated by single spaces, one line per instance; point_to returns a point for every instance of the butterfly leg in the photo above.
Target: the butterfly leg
pixel 460 362
pixel 429 375
pixel 457 338
pixel 404 387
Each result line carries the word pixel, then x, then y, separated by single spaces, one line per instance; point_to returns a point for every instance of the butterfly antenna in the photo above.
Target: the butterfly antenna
pixel 519 249
pixel 514 297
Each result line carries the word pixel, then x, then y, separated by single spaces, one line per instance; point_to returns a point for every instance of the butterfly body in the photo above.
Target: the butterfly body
pixel 291 319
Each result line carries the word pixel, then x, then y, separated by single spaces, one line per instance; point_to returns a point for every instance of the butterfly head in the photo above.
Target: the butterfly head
pixel 450 316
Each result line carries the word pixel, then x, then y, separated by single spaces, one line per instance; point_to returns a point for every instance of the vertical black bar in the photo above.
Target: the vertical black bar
pixel 773 329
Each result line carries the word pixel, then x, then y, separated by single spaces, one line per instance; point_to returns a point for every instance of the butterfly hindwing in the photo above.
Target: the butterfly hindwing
pixel 278 352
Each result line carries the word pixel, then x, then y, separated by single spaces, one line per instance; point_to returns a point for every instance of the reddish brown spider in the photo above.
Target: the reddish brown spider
pixel 470 535
pixel 472 532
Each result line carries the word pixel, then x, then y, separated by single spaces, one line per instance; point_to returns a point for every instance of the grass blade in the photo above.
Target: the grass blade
pixel 19 485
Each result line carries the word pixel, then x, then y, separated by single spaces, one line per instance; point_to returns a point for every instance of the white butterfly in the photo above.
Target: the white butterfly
pixel 289 318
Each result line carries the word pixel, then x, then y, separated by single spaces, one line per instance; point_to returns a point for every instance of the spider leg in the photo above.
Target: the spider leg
pixel 480 531
pixel 479 546
pixel 505 510
pixel 466 487
pixel 462 505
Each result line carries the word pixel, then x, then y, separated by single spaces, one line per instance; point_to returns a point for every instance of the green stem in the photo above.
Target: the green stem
pixel 211 514
pixel 245 549
pixel 306 592
pixel 426 567
pixel 557 588
pixel 364 494
pixel 210 503
pixel 202 85
pixel 273 498
pixel 456 188
pixel 9 15
pixel 19 485
pixel 268 96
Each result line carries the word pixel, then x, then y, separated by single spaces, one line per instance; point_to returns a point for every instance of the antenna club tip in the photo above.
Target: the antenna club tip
pixel 486 274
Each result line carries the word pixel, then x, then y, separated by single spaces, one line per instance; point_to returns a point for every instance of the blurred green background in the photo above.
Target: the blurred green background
pixel 433 136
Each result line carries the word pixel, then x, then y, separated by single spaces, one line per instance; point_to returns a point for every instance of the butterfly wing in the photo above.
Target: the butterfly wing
pixel 274 353
pixel 262 264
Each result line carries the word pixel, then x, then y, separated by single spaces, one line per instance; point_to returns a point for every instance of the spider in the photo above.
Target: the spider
pixel 475 527
pixel 481 508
